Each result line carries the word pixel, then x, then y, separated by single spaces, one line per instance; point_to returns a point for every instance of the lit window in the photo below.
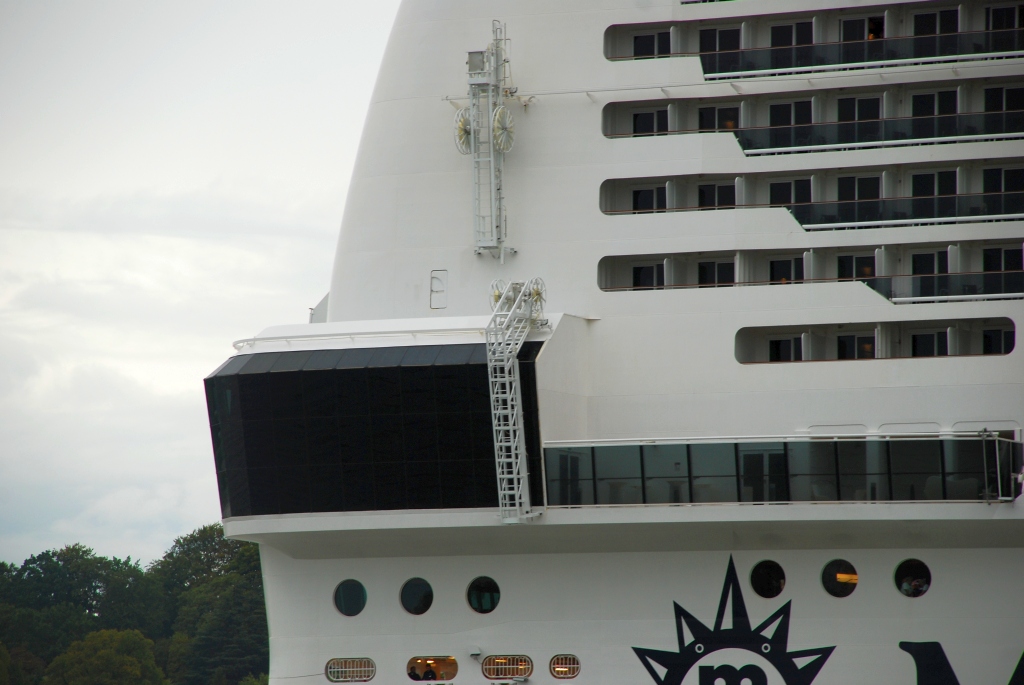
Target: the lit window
pixel 839 578
pixel 565 666
pixel 498 667
pixel 441 668
pixel 350 670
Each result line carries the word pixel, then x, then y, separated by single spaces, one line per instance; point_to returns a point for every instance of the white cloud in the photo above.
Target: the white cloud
pixel 172 176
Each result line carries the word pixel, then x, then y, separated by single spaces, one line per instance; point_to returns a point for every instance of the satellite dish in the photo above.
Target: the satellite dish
pixel 504 129
pixel 463 130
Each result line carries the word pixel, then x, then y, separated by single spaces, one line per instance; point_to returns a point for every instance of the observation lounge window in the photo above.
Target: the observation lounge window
pixel 619 475
pixel 718 118
pixel 855 346
pixel 666 474
pixel 763 473
pixel 713 473
pixel 716 273
pixel 786 193
pixel 650 199
pixel 716 196
pixel 647 45
pixel 650 123
pixel 649 276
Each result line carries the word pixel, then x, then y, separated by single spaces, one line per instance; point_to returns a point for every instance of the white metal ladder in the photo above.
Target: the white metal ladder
pixel 517 308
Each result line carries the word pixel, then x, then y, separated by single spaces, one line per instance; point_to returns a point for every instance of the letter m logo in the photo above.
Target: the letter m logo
pixel 730 675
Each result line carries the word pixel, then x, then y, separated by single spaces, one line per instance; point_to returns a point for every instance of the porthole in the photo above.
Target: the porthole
pixel 913 578
pixel 503 667
pixel 839 578
pixel 432 668
pixel 483 595
pixel 350 597
pixel 350 670
pixel 768 579
pixel 417 596
pixel 565 666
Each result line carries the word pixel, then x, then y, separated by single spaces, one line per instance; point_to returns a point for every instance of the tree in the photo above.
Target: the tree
pixel 107 657
pixel 5 666
pixel 230 639
pixel 72 575
pixel 195 559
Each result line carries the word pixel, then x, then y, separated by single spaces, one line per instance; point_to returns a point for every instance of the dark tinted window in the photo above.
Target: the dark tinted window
pixel 483 595
pixel 839 578
pixel 913 578
pixel 350 597
pixel 768 579
pixel 417 596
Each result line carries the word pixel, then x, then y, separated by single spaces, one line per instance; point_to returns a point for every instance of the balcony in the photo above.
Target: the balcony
pixel 881 133
pixel 909 211
pixel 998 285
pixel 841 470
pixel 860 54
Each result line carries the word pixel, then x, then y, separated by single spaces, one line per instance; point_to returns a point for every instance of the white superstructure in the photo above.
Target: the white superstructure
pixel 782 249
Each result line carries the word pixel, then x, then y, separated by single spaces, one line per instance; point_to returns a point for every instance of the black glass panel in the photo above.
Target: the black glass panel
pixel 417 596
pixel 483 595
pixel 353 433
pixel 350 597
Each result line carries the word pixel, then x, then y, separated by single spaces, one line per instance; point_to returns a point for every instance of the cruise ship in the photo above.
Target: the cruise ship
pixel 667 343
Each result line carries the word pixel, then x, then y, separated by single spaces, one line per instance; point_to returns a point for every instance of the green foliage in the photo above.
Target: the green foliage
pixel 5 665
pixel 107 657
pixel 201 603
pixel 261 679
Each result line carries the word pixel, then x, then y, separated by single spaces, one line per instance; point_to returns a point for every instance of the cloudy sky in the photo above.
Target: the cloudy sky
pixel 172 178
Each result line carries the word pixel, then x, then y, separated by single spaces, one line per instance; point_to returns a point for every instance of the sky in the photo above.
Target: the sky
pixel 172 178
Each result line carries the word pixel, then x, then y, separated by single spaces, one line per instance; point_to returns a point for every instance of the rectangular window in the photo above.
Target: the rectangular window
pixel 722 196
pixel 648 123
pixel 716 273
pixel 853 346
pixel 718 118
pixel 649 199
pixel 719 40
pixel 618 475
pixel 997 341
pixel 934 23
pixel 785 350
pixel 929 344
pixel 666 474
pixel 786 270
pixel 788 35
pixel 851 267
pixel 649 276
pixel 652 44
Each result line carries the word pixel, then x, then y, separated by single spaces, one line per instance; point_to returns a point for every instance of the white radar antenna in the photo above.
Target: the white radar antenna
pixel 486 130
pixel 518 307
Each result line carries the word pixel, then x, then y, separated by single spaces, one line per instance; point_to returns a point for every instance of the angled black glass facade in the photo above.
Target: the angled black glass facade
pixel 361 430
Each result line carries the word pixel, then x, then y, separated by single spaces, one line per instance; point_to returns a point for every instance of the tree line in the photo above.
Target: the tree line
pixel 196 616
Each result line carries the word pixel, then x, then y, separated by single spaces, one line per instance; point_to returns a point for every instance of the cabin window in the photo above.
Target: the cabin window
pixel 790 192
pixel 350 597
pixel 649 276
pixel 719 196
pixel 1004 99
pixel 913 578
pixel 506 667
pixel 718 118
pixel 786 270
pixel 417 596
pixel 852 346
pixel 564 666
pixel 768 579
pixel 443 668
pixel 483 595
pixel 839 578
pixel 716 273
pixel 649 123
pixel 785 350
pixel 350 670
pixel 647 45
pixel 850 267
pixel 787 35
pixel 998 341
pixel 650 199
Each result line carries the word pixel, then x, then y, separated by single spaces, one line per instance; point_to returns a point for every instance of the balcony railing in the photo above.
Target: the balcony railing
pixel 880 132
pixel 862 53
pixel 856 54
pixel 950 287
pixel 987 285
pixel 898 211
pixel 904 211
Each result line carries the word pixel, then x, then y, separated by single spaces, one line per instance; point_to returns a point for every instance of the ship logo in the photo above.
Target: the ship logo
pixel 732 652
